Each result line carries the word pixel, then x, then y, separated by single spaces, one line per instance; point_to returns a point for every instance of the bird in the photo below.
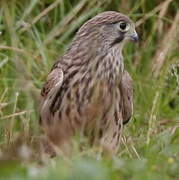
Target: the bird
pixel 88 91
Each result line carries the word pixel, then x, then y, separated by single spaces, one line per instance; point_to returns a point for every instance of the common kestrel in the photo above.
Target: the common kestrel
pixel 88 90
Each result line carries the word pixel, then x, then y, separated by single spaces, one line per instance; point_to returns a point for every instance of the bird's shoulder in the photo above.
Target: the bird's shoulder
pixel 54 78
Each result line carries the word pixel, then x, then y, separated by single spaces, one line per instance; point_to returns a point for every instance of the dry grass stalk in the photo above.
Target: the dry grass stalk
pixel 42 14
pixel 136 153
pixel 166 46
pixel 13 49
pixel 14 115
pixel 152 119
pixel 124 142
pixel 162 13
pixel 151 13
pixel 59 29
pixel 3 105
pixel 173 130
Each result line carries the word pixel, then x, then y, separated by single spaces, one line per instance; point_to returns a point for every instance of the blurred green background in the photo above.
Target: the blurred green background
pixel 34 33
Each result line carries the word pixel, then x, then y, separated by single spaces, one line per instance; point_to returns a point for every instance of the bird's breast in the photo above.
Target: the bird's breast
pixel 90 100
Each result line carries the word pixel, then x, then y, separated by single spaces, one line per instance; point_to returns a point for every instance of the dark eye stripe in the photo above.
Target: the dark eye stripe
pixel 118 40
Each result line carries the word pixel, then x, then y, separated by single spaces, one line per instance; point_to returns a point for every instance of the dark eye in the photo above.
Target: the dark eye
pixel 123 26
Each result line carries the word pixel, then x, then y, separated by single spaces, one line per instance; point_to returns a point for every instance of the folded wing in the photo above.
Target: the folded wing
pixel 126 89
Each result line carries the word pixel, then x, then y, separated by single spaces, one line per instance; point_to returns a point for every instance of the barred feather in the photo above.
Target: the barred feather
pixel 88 89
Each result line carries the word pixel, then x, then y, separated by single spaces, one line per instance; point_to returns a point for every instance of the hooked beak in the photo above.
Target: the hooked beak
pixel 133 36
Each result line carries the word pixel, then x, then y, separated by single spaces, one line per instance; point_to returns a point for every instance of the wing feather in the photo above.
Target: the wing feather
pixel 54 79
pixel 127 96
pixel 49 90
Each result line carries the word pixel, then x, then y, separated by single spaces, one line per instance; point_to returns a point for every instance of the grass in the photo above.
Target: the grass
pixel 34 34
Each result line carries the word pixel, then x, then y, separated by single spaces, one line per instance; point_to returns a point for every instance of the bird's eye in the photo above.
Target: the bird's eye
pixel 123 26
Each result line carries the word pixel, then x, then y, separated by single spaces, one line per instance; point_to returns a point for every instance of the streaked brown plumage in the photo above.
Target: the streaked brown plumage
pixel 88 90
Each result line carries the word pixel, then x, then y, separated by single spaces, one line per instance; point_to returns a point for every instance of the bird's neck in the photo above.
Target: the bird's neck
pixel 111 66
pixel 98 59
pixel 106 63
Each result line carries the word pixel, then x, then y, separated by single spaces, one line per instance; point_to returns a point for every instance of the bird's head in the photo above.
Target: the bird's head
pixel 110 28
